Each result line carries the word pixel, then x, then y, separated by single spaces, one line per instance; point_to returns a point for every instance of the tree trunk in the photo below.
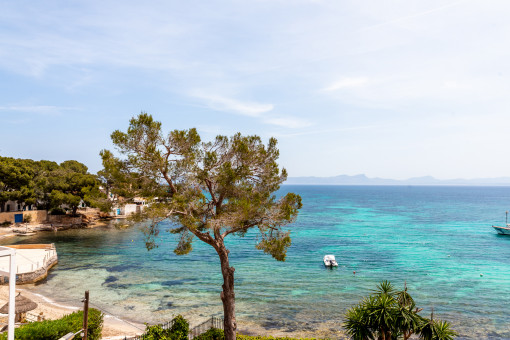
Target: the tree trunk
pixel 228 295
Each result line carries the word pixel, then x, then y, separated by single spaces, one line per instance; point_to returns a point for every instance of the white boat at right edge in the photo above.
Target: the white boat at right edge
pixel 502 230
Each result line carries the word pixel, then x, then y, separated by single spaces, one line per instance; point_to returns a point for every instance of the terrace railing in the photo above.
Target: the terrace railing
pixel 213 322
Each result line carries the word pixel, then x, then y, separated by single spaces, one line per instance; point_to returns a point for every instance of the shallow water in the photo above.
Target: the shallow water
pixel 437 239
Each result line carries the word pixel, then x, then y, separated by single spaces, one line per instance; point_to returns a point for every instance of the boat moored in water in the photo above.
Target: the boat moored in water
pixel 502 230
pixel 330 261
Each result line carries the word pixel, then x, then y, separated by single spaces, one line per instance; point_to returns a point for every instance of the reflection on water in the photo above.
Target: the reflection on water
pixel 439 240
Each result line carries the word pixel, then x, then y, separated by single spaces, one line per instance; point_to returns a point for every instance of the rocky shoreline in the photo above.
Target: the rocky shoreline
pixel 87 218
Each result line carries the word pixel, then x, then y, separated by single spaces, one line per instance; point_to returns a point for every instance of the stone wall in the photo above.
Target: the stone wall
pixel 38 216
pixel 36 275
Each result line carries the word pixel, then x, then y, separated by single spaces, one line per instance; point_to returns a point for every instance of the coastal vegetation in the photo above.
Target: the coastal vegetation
pixel 178 331
pixel 389 314
pixel 48 185
pixel 55 329
pixel 217 334
pixel 208 190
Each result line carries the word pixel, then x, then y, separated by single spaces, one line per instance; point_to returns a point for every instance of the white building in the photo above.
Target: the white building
pixel 138 205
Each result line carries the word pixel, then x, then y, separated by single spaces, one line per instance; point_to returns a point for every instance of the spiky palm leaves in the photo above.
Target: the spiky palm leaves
pixel 436 330
pixel 388 314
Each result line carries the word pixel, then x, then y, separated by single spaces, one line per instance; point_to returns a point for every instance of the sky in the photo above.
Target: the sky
pixel 392 89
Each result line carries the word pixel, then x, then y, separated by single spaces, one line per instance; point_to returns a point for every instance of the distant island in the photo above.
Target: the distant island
pixel 426 180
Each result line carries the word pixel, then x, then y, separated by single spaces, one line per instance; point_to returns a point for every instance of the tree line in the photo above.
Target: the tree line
pixel 48 185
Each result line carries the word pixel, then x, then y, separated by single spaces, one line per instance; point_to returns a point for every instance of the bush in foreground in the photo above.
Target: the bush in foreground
pixel 217 334
pixel 388 314
pixel 178 331
pixel 247 337
pixel 55 329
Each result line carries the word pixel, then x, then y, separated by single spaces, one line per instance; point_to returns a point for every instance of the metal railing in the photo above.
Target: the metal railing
pixel 213 322
pixel 165 325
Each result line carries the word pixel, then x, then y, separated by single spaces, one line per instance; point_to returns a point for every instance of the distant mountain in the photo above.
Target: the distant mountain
pixel 425 180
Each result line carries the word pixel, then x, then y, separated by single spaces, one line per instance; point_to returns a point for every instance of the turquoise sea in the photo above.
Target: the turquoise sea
pixel 437 239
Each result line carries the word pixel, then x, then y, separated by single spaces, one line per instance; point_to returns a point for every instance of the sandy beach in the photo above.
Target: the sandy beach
pixel 114 327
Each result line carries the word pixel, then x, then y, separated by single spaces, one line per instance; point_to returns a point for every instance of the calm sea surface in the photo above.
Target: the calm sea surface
pixel 437 239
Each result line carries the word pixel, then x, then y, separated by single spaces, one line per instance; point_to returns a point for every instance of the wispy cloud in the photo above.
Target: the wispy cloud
pixel 288 122
pixel 262 111
pixel 334 130
pixel 225 104
pixel 412 16
pixel 44 110
pixel 346 83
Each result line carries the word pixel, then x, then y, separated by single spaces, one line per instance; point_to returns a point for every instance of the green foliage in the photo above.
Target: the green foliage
pixel 247 337
pixel 178 331
pixel 70 184
pixel 217 334
pixel 437 330
pixel 156 332
pixel 48 184
pixel 212 334
pixel 55 329
pixel 17 180
pixel 180 328
pixel 391 314
pixel 208 189
pixel 27 218
pixel 275 245
pixel 57 211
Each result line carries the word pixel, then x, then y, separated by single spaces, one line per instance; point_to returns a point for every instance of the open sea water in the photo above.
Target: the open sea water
pixel 437 239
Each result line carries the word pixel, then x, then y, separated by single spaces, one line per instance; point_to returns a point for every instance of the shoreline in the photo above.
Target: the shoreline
pixel 114 327
pixel 12 231
pixel 117 328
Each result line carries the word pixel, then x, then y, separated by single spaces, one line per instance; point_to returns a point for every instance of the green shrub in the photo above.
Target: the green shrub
pixel 212 334
pixel 217 334
pixel 57 211
pixel 178 331
pixel 5 224
pixel 55 329
pixel 156 332
pixel 180 328
pixel 27 218
pixel 389 313
pixel 247 337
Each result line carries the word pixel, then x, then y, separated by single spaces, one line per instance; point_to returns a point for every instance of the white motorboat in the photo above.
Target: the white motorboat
pixel 329 261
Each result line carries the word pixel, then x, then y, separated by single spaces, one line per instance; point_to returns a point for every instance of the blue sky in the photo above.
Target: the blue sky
pixel 391 89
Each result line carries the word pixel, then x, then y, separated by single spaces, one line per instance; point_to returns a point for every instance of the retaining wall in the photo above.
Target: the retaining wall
pixel 38 216
pixel 38 274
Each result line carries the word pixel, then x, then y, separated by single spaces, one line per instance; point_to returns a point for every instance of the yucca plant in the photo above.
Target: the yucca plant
pixel 388 314
pixel 357 323
pixel 436 329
